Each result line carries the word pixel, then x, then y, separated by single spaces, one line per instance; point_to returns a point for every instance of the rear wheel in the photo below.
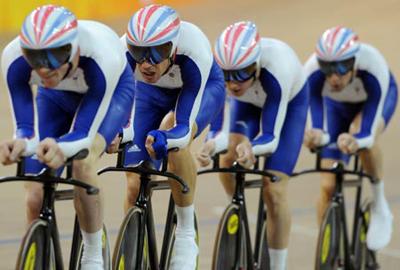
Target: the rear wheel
pixel 126 255
pixel 227 249
pixel 364 259
pixel 327 257
pixel 31 253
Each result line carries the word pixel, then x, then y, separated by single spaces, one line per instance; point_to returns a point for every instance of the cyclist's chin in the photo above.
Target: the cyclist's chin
pixel 237 93
pixel 50 83
pixel 337 87
pixel 153 78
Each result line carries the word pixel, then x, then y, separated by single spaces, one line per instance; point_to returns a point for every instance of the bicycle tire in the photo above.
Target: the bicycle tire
pixel 126 247
pixel 31 252
pixel 105 251
pixel 263 255
pixel 171 241
pixel 327 256
pixel 364 259
pixel 225 247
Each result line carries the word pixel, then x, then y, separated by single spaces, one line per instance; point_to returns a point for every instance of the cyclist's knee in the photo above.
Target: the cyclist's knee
pixel 227 159
pixel 328 184
pixel 275 194
pixel 34 198
pixel 133 187
pixel 84 169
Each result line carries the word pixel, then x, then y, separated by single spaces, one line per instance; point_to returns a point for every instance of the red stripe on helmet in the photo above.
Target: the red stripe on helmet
pixel 250 50
pixel 152 9
pixel 35 22
pixel 333 38
pixel 47 12
pixel 169 28
pixel 236 35
pixel 130 36
pixel 226 45
pixel 72 25
pixel 24 39
pixel 348 44
pixel 138 24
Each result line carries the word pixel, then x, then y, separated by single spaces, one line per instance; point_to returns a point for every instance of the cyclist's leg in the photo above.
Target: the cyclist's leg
pixel 339 117
pixel 282 163
pixel 54 120
pixel 182 164
pixel 150 106
pixel 381 223
pixel 244 125
pixel 89 208
pixel 226 161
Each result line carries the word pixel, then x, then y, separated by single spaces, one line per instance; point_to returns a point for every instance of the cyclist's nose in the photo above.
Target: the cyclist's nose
pixel 233 85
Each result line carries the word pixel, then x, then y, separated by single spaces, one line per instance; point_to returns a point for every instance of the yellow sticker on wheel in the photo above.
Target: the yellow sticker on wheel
pixel 233 224
pixel 121 264
pixel 326 243
pixel 103 239
pixel 30 257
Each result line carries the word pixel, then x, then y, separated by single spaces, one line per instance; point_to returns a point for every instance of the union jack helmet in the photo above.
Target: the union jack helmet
pixel 49 27
pixel 238 46
pixel 153 25
pixel 337 44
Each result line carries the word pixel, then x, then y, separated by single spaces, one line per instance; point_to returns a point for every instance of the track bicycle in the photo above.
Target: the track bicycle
pixel 40 247
pixel 335 249
pixel 136 245
pixel 233 248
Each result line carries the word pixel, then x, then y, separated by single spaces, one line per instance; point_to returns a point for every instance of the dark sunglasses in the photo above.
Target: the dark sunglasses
pixel 47 58
pixel 339 67
pixel 154 55
pixel 240 75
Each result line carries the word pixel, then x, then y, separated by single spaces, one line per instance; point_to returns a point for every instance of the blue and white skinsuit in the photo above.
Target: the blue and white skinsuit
pixel 193 87
pixel 96 98
pixel 272 112
pixel 372 92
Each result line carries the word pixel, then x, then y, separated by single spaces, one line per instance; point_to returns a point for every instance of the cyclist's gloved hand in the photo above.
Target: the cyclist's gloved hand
pixel 156 144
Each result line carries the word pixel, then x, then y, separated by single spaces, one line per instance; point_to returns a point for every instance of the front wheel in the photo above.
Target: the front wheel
pixel 32 249
pixel 230 246
pixel 364 259
pixel 126 252
pixel 263 255
pixel 327 257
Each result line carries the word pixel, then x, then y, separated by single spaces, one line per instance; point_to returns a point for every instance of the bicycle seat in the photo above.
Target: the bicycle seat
pixel 146 164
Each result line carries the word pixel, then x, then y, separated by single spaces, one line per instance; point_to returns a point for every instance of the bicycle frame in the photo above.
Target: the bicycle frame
pixel 239 199
pixel 144 202
pixel 338 197
pixel 47 213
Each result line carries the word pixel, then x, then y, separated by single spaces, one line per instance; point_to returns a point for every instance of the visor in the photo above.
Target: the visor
pixel 340 67
pixel 240 75
pixel 47 58
pixel 154 55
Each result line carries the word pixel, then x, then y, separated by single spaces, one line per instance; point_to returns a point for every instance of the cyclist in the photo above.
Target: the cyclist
pixel 81 101
pixel 268 111
pixel 353 97
pixel 175 71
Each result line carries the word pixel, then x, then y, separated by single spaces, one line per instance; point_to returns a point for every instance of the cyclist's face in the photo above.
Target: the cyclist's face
pixel 52 77
pixel 152 73
pixel 237 88
pixel 338 82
